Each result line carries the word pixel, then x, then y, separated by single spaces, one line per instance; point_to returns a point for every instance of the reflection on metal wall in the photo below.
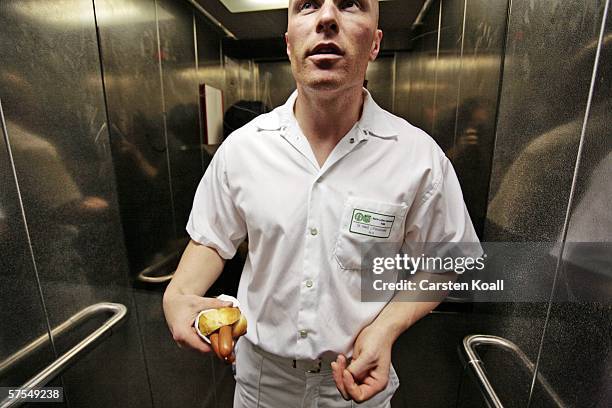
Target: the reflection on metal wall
pixel 231 68
pixel 210 62
pixel 209 71
pixel 151 76
pixel 241 81
pixel 381 77
pixel 276 82
pixel 550 52
pixel 181 98
pixel 540 117
pixel 249 78
pixel 20 297
pixel 152 82
pixel 133 92
pixel 449 84
pixel 452 18
pixel 585 275
pixel 475 109
pixel 415 81
pixel 53 104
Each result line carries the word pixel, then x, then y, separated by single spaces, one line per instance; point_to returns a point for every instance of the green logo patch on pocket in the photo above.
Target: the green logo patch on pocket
pixel 371 224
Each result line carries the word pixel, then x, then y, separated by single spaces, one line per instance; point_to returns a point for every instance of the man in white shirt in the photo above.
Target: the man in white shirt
pixel 293 180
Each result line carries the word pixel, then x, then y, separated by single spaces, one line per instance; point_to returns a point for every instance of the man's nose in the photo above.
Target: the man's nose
pixel 328 18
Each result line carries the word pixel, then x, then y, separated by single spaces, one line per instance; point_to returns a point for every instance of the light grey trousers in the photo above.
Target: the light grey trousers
pixel 267 381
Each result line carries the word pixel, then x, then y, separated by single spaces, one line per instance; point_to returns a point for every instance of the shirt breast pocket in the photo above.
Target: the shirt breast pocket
pixel 364 222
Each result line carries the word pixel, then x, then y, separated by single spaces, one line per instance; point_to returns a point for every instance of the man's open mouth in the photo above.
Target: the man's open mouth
pixel 326 49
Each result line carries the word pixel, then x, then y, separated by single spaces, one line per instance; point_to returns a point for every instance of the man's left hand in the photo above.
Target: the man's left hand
pixel 368 372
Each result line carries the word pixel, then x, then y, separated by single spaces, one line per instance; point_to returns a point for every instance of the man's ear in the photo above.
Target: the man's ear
pixel 376 45
pixel 288 45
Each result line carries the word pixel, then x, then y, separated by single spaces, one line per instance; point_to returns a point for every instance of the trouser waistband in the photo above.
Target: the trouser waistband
pixel 307 365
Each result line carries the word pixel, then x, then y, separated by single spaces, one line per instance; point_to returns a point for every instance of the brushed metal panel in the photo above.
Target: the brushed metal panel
pixel 134 97
pixel 448 72
pixel 276 83
pixel 540 117
pixel 180 87
pixel 404 66
pixel 209 70
pixel 380 77
pixel 416 75
pixel 581 330
pixel 55 115
pixel 248 74
pixel 415 88
pixel 478 88
pixel 210 62
pixel 22 317
pixel 231 67
pixel 135 110
pixel 542 104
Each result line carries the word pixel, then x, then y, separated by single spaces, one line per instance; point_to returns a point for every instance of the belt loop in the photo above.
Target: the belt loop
pixel 316 370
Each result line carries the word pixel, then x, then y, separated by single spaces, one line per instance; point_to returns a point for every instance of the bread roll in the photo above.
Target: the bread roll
pixel 213 319
pixel 240 327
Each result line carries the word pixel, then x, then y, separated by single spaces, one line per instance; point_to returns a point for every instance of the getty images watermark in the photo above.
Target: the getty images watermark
pixel 485 272
pixel 406 264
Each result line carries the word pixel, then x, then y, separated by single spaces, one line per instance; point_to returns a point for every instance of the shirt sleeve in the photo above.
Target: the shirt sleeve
pixel 214 220
pixel 442 218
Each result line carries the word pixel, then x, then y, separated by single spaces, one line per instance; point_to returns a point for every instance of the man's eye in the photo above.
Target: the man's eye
pixel 349 4
pixel 306 5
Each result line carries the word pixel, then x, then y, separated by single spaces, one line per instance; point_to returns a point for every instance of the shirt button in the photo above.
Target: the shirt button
pixel 309 283
pixel 303 334
pixel 314 231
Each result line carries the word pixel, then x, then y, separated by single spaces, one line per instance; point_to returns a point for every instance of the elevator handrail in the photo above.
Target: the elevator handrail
pixel 421 16
pixel 469 345
pixel 118 311
pixel 144 275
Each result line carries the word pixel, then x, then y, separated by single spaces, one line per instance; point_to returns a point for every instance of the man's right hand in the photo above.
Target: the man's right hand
pixel 180 311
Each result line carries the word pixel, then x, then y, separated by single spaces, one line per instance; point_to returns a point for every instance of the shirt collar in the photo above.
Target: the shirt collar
pixel 374 120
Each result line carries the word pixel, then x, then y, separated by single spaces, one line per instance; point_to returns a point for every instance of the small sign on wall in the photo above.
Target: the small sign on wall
pixel 211 104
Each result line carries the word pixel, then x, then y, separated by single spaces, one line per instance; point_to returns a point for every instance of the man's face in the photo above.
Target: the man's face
pixel 330 42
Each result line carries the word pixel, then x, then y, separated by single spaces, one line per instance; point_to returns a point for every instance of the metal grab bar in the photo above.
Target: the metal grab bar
pixel 421 16
pixel 469 345
pixel 212 19
pixel 118 311
pixel 144 275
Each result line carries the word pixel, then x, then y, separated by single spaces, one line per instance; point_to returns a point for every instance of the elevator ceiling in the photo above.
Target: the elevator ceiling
pixel 397 15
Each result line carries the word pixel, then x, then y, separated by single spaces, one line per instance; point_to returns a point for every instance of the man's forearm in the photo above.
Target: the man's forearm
pixel 199 268
pixel 401 313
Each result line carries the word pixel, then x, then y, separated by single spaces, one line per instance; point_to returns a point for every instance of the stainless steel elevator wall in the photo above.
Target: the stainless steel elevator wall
pixel 22 316
pixel 538 171
pixel 101 123
pixel 59 89
pixel 130 56
pixel 55 119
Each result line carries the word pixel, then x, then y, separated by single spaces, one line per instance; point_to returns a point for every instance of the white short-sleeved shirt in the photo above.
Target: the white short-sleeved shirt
pixel 300 287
